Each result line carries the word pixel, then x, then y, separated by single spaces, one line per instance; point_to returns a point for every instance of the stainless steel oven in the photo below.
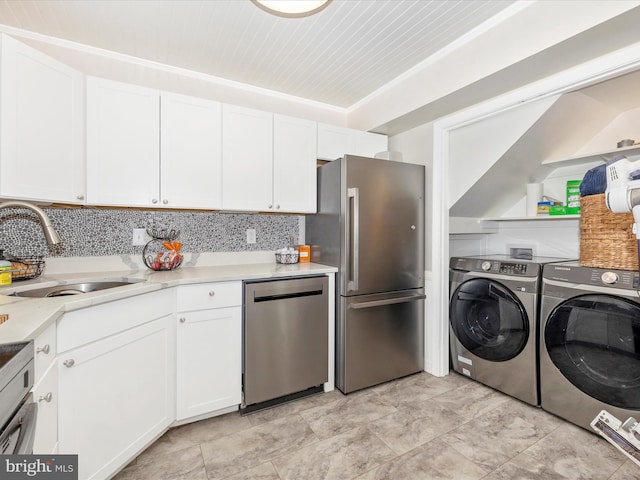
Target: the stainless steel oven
pixel 18 411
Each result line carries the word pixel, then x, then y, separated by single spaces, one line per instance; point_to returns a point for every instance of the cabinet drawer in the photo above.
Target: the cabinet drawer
pixel 209 295
pixel 89 324
pixel 45 351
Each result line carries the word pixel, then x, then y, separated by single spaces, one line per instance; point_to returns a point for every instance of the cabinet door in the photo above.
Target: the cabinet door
pixel 116 396
pixel 209 375
pixel 334 142
pixel 368 144
pixel 123 144
pixel 41 127
pixel 294 164
pixel 191 152
pixel 45 393
pixel 247 159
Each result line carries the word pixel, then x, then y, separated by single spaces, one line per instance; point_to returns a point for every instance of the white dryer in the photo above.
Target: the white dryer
pixel 493 315
pixel 590 342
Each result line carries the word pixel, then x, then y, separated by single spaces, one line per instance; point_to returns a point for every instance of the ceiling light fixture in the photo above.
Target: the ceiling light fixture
pixel 292 8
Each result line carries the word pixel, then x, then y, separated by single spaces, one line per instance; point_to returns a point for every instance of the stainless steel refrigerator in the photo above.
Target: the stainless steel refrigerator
pixel 370 225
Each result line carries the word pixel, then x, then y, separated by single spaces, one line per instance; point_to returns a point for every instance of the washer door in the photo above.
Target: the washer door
pixel 488 319
pixel 594 340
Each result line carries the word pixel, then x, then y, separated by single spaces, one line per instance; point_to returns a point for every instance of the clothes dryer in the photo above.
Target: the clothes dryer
pixel 493 312
pixel 590 342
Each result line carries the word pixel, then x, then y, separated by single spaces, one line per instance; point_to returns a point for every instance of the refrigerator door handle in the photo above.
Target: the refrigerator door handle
pixel 352 284
pixel 387 301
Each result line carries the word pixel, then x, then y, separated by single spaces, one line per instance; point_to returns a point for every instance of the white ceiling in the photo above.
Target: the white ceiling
pixel 337 57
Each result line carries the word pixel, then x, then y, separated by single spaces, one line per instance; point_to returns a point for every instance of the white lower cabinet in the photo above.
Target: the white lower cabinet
pixel 209 348
pixel 45 394
pixel 116 390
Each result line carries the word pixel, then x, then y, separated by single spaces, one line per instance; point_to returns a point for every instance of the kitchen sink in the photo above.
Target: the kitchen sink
pixel 70 289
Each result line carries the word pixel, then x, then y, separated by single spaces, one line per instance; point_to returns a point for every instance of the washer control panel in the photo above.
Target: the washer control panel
pixel 600 277
pixel 513 268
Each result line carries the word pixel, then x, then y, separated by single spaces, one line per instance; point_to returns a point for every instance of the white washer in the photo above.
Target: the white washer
pixel 493 312
pixel 590 342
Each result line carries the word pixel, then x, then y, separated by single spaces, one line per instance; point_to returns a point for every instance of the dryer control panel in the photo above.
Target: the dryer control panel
pixel 572 273
pixel 512 267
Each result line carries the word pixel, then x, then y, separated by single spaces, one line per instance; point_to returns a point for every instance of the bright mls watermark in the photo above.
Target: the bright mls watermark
pixel 50 467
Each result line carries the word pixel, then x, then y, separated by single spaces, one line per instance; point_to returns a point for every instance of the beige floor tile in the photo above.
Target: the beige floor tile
pixel 471 400
pixel 419 387
pixel 628 471
pixel 184 464
pixel 340 457
pixel 414 424
pixel 524 467
pixel 433 461
pixel 266 471
pixel 497 436
pixel 249 448
pixel 346 413
pixel 294 407
pixel 577 454
pixel 195 433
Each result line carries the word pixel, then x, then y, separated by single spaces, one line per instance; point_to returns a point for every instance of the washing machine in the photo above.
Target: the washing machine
pixel 590 342
pixel 493 311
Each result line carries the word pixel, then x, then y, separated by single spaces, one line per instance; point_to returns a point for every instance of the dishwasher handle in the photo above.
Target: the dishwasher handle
pixel 386 301
pixel 271 294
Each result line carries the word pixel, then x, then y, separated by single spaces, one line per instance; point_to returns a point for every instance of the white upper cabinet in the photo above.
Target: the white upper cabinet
pixel 123 144
pixel 191 152
pixel 294 165
pixel 334 142
pixel 149 149
pixel 247 159
pixel 41 127
pixel 268 162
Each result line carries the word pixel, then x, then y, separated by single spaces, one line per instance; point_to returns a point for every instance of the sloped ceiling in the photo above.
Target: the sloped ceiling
pixel 336 57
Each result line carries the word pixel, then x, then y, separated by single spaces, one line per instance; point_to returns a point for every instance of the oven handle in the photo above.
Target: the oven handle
pixel 27 430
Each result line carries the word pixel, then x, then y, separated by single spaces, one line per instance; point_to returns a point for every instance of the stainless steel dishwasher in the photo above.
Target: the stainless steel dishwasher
pixel 285 340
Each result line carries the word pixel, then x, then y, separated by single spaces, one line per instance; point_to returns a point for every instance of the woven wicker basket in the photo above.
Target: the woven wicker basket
pixel 606 239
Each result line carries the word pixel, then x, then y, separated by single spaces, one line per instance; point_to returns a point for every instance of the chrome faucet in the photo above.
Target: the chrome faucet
pixel 49 232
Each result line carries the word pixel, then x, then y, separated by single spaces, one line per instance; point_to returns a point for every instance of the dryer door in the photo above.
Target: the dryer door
pixel 488 319
pixel 594 340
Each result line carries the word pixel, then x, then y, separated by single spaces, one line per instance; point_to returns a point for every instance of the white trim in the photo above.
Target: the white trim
pixel 162 67
pixel 618 63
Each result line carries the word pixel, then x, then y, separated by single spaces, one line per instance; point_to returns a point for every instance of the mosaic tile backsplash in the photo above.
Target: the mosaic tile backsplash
pixel 102 231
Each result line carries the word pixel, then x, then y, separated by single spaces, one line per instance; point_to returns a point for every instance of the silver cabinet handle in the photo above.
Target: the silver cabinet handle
pixel 47 398
pixel 182 319
pixel 154 200
pixel 44 349
pixel 212 293
pixel 165 201
pixel 277 207
pixel 270 206
pixel 353 278
pixel 80 197
pixel 69 363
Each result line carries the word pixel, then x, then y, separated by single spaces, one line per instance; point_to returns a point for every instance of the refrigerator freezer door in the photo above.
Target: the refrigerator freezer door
pixel 383 239
pixel 379 338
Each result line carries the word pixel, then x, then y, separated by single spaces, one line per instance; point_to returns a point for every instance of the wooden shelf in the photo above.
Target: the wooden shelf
pixel 602 156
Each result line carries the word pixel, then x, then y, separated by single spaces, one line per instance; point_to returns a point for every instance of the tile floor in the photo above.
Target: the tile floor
pixel 419 427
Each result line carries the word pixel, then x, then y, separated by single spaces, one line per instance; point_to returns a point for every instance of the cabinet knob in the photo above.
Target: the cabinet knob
pixel 44 349
pixel 270 207
pixel 212 293
pixel 277 207
pixel 165 201
pixel 182 319
pixel 47 398
pixel 154 200
pixel 80 197
pixel 69 363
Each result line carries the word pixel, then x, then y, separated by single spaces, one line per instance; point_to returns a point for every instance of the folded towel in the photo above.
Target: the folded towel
pixel 594 181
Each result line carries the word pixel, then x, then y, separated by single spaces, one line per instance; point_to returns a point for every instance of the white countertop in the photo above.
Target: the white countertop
pixel 28 317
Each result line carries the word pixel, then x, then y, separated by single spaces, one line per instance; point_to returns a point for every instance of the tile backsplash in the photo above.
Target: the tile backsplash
pixel 109 231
